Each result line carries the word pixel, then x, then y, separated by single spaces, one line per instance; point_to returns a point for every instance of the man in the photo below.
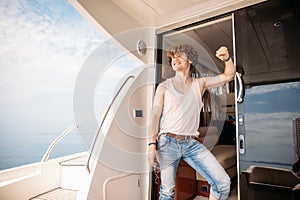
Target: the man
pixel 175 121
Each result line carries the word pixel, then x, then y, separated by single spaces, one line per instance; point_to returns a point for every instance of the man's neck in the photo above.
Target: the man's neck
pixel 182 77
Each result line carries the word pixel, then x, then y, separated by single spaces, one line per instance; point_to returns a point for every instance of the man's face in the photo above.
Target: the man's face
pixel 180 61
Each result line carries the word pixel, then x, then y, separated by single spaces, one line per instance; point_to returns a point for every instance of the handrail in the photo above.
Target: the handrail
pixel 103 119
pixel 239 97
pixel 59 138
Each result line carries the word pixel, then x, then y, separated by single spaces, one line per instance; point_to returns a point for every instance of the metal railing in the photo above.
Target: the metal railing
pixel 103 119
pixel 74 126
pixel 62 135
pixel 57 140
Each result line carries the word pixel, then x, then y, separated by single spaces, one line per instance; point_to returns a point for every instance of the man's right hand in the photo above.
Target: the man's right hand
pixel 153 156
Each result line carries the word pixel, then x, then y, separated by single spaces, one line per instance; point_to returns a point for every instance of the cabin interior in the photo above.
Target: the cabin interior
pixel 262 39
pixel 219 137
pixel 217 121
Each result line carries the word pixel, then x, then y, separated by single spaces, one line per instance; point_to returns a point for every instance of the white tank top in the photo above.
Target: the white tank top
pixel 181 112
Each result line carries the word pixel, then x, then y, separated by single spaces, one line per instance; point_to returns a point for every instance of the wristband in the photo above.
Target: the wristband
pixel 152 143
pixel 227 59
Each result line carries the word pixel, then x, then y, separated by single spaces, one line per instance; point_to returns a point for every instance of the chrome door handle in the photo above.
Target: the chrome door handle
pixel 242 144
pixel 240 93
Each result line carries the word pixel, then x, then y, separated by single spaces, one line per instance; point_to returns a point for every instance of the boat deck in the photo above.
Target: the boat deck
pixel 79 161
pixel 232 196
pixel 57 193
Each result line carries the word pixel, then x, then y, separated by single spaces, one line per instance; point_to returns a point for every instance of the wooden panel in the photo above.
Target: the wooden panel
pixel 203 188
pixel 186 184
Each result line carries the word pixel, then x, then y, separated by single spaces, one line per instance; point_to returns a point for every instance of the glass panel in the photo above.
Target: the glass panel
pixel 205 40
pixel 269 111
pixel 97 86
pixel 219 103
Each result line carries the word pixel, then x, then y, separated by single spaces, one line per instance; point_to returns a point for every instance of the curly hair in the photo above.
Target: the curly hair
pixel 192 54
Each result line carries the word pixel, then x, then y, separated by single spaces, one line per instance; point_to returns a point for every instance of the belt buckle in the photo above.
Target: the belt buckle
pixel 187 137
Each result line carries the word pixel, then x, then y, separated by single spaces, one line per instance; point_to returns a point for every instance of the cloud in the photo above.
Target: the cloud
pixel 269 136
pixel 271 88
pixel 43 46
pixel 261 102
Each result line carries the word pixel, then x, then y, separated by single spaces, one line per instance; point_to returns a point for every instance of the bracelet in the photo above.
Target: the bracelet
pixel 151 143
pixel 227 59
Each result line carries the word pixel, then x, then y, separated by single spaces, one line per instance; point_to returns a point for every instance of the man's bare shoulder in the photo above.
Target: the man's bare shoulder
pixel 162 85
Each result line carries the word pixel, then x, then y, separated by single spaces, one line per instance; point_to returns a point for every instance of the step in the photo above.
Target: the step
pixel 79 161
pixel 74 173
pixel 57 193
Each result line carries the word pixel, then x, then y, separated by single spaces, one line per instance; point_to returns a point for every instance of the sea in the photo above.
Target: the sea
pixel 22 149
pixel 30 148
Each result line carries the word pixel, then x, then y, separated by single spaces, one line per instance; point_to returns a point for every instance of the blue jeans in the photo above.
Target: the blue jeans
pixel 171 150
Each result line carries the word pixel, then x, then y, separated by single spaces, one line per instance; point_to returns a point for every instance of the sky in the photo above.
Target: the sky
pixel 43 45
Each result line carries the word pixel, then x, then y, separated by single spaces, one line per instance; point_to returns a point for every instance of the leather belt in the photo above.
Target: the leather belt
pixel 180 137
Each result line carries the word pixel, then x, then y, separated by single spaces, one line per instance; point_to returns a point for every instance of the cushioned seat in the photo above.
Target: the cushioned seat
pixel 262 182
pixel 220 138
pixel 265 182
pixel 226 155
